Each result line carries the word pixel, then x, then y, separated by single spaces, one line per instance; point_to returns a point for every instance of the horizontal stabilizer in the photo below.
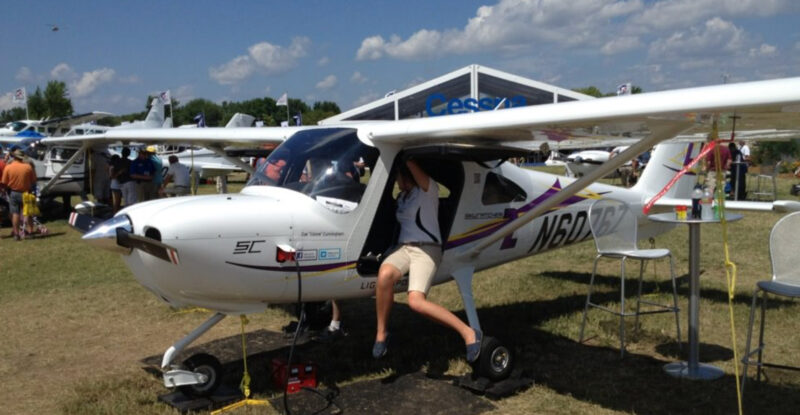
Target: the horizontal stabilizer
pixel 780 206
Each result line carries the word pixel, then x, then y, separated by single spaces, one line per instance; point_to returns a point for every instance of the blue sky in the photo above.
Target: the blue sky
pixel 112 54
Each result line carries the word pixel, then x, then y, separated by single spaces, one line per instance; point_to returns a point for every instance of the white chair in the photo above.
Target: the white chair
pixel 766 184
pixel 785 282
pixel 614 228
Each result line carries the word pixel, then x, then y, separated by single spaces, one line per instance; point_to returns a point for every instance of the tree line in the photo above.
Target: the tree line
pixel 54 102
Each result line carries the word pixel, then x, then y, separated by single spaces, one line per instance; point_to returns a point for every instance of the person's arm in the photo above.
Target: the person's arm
pixel 422 178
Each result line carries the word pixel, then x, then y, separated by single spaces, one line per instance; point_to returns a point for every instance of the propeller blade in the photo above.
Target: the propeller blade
pixel 151 246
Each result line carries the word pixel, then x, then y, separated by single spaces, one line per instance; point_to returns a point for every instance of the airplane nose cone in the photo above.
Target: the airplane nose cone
pixel 104 235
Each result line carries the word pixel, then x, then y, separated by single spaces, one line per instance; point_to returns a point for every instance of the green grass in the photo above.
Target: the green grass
pixel 76 326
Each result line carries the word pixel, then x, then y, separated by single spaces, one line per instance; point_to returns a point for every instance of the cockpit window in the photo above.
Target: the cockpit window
pixel 499 189
pixel 329 165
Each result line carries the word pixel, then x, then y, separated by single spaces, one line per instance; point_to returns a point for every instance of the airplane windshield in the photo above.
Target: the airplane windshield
pixel 18 126
pixel 326 164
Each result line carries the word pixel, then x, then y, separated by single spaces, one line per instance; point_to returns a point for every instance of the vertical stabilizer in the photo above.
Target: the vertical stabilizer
pixel 667 160
pixel 155 118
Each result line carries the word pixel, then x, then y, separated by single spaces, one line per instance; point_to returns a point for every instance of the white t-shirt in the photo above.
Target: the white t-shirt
pixel 745 150
pixel 180 174
pixel 418 214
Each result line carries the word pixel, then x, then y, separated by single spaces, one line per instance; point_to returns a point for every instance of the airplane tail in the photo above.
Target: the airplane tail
pixel 156 115
pixel 240 120
pixel 666 161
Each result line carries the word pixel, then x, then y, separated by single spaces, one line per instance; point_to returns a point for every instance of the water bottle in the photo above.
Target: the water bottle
pixel 697 194
pixel 705 205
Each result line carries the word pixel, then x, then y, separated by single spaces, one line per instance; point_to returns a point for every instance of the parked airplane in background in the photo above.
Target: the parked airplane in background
pixel 237 253
pixel 47 127
pixel 587 156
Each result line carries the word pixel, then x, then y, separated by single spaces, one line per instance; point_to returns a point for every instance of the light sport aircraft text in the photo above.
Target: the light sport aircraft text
pixel 237 253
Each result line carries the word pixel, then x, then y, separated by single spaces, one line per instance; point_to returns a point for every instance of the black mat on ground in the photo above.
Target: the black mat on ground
pixel 412 393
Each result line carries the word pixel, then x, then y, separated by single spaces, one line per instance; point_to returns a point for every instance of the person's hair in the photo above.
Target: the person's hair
pixel 173 159
pixel 406 173
pixel 126 152
pixel 732 146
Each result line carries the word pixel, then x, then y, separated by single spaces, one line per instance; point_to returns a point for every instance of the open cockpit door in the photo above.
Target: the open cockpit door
pixel 444 163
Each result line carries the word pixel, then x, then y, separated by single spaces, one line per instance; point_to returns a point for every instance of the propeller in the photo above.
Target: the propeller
pixel 149 245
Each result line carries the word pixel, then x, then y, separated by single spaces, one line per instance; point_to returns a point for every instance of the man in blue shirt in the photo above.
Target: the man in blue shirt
pixel 142 172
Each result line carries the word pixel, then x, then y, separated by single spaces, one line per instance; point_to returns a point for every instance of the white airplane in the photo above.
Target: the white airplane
pixel 236 253
pixel 589 157
pixel 49 127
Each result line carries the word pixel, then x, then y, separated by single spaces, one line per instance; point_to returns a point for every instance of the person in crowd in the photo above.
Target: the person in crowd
pixel 18 177
pixel 178 179
pixel 158 177
pixel 419 254
pixel 142 171
pixel 711 164
pixel 126 183
pixel 745 150
pixel 116 189
pixel 334 330
pixel 738 168
pixel 101 180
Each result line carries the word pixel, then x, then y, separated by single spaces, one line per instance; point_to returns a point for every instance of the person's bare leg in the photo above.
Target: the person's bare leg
pixel 15 223
pixel 384 298
pixel 420 304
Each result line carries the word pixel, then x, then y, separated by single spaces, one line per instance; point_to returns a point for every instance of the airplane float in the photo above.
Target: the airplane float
pixel 237 253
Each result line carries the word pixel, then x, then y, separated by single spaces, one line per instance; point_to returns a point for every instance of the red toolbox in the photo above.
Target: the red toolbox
pixel 300 375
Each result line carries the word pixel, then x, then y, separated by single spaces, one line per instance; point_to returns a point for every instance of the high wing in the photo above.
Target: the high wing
pixel 600 117
pixel 663 114
pixel 76 119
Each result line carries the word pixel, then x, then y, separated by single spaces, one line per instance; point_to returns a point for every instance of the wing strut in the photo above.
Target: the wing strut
pixel 660 131
pixel 66 166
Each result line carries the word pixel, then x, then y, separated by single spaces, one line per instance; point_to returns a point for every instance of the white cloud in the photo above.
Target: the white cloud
pixel 62 72
pixel 241 67
pixel 679 13
pixel 511 24
pixel 90 81
pixel 25 75
pixel 620 44
pixel 716 37
pixel 264 57
pixel 358 78
pixel 323 61
pixel 763 51
pixel 327 83
pixel 7 101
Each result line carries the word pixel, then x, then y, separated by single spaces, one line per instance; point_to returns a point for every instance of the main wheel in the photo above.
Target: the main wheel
pixel 496 360
pixel 207 365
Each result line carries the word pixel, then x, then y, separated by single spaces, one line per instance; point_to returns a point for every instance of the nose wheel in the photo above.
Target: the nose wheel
pixel 495 362
pixel 208 367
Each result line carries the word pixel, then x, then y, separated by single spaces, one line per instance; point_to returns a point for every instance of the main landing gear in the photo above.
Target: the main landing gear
pixel 496 360
pixel 200 374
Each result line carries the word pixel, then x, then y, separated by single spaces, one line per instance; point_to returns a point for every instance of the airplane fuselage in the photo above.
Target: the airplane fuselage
pixel 228 245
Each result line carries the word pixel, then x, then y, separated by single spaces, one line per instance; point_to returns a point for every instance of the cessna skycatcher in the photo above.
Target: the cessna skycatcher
pixel 301 220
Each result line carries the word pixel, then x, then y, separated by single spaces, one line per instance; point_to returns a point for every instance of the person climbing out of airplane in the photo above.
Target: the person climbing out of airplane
pixel 419 254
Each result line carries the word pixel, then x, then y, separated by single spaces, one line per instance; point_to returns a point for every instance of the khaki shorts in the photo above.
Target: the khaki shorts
pixel 420 262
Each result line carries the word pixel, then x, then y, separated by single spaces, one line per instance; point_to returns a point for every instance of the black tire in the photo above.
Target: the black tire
pixel 208 365
pixel 496 360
